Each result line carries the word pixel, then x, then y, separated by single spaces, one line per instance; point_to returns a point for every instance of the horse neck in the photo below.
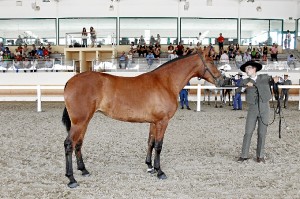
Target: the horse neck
pixel 178 73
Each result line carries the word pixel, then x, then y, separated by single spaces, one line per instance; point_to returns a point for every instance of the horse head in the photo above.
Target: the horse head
pixel 210 71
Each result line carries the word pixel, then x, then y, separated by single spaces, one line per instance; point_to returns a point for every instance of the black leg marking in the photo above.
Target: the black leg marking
pixel 69 168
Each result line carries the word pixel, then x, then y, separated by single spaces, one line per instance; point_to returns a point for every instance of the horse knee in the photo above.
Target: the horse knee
pixel 158 146
pixel 68 146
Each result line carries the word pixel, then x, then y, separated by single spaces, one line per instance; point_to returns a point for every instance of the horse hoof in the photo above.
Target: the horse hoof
pixel 162 176
pixel 85 173
pixel 73 185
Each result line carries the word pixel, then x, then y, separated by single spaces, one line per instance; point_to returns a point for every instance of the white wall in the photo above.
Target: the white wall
pixel 155 8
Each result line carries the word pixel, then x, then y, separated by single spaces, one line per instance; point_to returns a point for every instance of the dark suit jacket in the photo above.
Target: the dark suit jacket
pixel 260 90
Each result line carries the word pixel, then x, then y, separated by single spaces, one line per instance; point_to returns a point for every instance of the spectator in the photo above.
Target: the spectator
pixel 249 48
pixel 150 57
pixel 130 58
pixel 284 95
pixel 158 38
pixel 265 52
pixel 231 52
pixel 123 59
pixel 237 100
pixel 157 52
pixel 25 51
pixel 274 52
pixel 184 98
pixel 237 47
pixel 289 38
pixel 247 56
pixel 238 59
pixel 173 55
pixel 142 40
pixel 200 38
pixel 291 61
pixel 180 49
pixel 224 57
pixel 141 49
pixel 93 37
pixel 253 54
pixel 19 41
pixel 40 53
pixel 84 36
pixel 133 47
pixel 45 52
pixel 220 40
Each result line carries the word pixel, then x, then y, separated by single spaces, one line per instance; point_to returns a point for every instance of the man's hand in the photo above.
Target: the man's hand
pixel 249 84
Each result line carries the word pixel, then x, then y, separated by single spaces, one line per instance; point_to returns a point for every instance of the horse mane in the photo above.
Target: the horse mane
pixel 173 60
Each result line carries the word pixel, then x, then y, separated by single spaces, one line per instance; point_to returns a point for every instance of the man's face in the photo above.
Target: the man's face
pixel 250 70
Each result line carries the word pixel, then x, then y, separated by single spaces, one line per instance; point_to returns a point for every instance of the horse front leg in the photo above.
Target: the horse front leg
pixel 68 144
pixel 159 136
pixel 80 163
pixel 151 142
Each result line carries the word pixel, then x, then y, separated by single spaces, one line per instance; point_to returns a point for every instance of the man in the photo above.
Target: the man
pixel 258 94
pixel 221 42
pixel 184 98
pixel 237 100
pixel 285 91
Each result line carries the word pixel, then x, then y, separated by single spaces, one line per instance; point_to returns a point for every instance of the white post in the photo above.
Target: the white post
pixel 39 100
pixel 199 97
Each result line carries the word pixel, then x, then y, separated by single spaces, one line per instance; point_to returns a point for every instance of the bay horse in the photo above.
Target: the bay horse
pixel 151 97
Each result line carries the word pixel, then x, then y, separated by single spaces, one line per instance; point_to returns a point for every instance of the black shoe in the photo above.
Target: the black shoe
pixel 259 160
pixel 188 108
pixel 182 107
pixel 242 159
pixel 234 109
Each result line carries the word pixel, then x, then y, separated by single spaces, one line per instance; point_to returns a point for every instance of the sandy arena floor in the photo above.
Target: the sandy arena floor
pixel 199 156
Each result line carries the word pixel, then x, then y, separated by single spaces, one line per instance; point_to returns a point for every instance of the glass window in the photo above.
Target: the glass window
pixel 131 30
pixel 70 30
pixel 209 29
pixel 29 31
pixel 260 31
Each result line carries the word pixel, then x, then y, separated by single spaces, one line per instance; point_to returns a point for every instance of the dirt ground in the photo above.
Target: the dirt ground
pixel 199 156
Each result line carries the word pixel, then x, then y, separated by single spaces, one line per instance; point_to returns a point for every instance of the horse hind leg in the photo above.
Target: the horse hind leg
pixel 80 163
pixel 73 142
pixel 69 167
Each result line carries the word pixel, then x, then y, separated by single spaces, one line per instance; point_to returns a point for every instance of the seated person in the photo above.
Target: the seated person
pixel 123 59
pixel 150 57
pixel 253 54
pixel 291 61
pixel 238 59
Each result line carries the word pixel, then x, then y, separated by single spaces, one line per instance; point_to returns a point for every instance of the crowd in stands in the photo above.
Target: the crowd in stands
pixel 24 57
pixel 24 52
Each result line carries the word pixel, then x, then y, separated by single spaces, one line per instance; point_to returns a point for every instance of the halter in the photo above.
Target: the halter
pixel 207 69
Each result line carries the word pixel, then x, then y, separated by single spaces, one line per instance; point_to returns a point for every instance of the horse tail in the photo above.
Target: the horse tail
pixel 66 119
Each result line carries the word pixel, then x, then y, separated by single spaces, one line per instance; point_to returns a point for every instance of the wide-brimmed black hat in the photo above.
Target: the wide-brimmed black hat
pixel 257 65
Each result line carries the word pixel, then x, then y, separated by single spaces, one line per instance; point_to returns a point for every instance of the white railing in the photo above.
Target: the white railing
pixel 198 87
pixel 38 89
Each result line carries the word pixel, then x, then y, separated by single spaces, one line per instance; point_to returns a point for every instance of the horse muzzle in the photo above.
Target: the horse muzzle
pixel 219 82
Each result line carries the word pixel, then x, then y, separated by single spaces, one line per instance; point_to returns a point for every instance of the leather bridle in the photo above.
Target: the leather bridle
pixel 207 69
